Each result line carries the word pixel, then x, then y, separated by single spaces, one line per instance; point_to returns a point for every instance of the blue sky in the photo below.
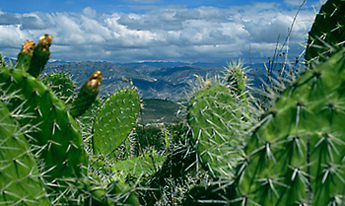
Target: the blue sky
pixel 157 30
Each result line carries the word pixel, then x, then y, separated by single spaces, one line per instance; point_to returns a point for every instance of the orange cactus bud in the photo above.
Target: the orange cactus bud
pixel 28 47
pixel 45 40
pixel 94 81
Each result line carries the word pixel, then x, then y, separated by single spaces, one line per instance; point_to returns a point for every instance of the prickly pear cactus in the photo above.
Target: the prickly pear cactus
pixel 61 144
pixel 25 55
pixel 296 155
pixel 87 94
pixel 115 120
pixel 20 182
pixel 215 119
pixel 235 77
pixel 62 86
pixel 40 55
pixel 328 31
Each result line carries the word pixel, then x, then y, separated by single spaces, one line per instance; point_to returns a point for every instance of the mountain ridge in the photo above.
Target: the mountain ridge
pixel 163 83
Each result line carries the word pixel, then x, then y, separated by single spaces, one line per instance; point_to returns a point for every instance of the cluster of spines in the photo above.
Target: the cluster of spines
pixel 61 84
pixel 115 120
pixel 57 139
pixel 58 134
pixel 327 32
pixel 20 180
pixel 295 155
pixel 212 114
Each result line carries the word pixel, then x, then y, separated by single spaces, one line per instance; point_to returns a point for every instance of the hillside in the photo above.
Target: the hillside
pixel 159 83
pixel 158 111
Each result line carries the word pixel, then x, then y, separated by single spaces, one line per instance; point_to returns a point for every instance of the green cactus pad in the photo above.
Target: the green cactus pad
pixel 115 120
pixel 215 119
pixel 297 153
pixel 25 55
pixel 62 86
pixel 328 31
pixel 58 134
pixel 20 182
pixel 87 94
pixel 40 55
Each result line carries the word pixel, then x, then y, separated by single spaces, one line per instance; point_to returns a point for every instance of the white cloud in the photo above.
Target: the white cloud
pixel 166 33
pixel 89 12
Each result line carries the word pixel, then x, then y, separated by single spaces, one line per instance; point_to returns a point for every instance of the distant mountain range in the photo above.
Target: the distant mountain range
pixel 159 80
pixel 161 83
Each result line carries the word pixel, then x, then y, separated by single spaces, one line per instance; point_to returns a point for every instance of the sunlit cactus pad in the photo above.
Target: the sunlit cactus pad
pixel 215 119
pixel 115 120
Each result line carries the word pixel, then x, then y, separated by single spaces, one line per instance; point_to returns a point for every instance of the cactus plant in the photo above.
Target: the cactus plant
pixel 328 31
pixel 216 122
pixel 62 86
pixel 58 136
pixel 295 155
pixel 57 139
pixel 20 180
pixel 40 55
pixel 115 120
pixel 25 55
pixel 87 94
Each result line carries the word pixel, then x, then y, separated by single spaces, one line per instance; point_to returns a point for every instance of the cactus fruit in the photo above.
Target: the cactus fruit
pixel 115 120
pixel 58 134
pixel 328 31
pixel 25 55
pixel 87 94
pixel 296 155
pixel 215 119
pixel 20 181
pixel 40 55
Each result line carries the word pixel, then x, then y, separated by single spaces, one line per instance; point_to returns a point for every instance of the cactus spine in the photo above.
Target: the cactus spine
pixel 58 134
pixel 20 181
pixel 62 86
pixel 211 115
pixel 115 120
pixel 296 152
pixel 328 31
pixel 87 94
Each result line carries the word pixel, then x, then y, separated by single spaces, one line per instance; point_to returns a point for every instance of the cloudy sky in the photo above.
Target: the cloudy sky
pixel 123 31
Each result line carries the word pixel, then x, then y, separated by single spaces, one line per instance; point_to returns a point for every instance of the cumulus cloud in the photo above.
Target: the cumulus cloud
pixel 171 33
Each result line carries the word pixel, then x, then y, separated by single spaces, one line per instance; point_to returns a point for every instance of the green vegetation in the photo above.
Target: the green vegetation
pixel 158 111
pixel 222 146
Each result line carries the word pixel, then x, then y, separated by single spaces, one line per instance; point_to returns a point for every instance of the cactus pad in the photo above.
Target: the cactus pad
pixel 58 134
pixel 61 85
pixel 327 32
pixel 87 94
pixel 25 55
pixel 215 119
pixel 40 55
pixel 20 182
pixel 297 153
pixel 115 120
